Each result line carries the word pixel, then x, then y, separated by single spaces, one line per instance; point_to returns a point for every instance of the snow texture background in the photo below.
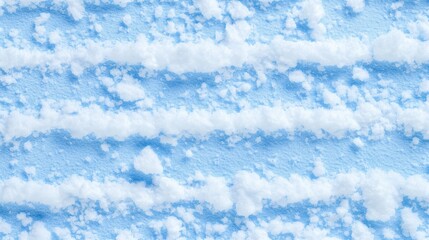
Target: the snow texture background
pixel 211 119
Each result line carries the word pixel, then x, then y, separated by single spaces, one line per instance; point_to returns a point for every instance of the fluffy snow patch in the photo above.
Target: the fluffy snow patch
pixel 356 5
pixel 25 221
pixel 28 146
pixel 396 46
pixel 63 233
pixel 360 232
pixel 76 9
pixel 128 89
pixel 389 234
pixel 319 168
pixel 358 143
pixel 360 74
pixel 411 223
pixel 237 10
pixel 30 171
pixel 7 79
pixel 313 12
pixel 415 141
pixel 37 231
pixel 189 153
pixel 148 162
pixel 210 9
pixel 172 225
pixel 128 235
pixel 127 20
pixel 105 147
pixel 298 76
pixel 424 86
pixel 331 98
pixel 5 227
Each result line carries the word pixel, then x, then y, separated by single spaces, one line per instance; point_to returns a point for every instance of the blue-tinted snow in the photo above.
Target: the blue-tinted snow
pixel 57 155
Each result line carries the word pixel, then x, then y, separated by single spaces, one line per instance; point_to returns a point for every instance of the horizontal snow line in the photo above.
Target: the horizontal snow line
pixel 75 8
pixel 247 193
pixel 209 56
pixel 369 119
pixel 202 56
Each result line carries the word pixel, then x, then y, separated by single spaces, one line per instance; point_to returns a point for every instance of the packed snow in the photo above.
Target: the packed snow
pixel 214 119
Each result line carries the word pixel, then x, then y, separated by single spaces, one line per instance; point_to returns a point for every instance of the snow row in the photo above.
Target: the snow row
pixel 247 194
pixel 371 120
pixel 311 10
pixel 381 192
pixel 208 56
pixel 202 56
pixel 75 8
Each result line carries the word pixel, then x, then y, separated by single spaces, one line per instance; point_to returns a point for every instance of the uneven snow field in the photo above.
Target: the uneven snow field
pixel 209 119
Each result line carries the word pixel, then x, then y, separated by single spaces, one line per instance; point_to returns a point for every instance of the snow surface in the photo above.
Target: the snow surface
pixel 214 119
